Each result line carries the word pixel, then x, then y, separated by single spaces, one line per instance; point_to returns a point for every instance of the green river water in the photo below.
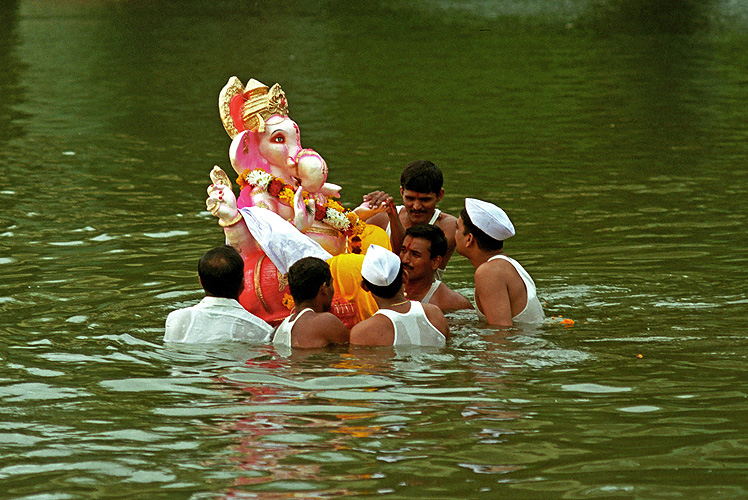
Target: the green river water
pixel 614 133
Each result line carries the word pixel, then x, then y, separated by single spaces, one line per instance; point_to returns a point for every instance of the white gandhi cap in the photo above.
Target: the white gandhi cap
pixel 380 266
pixel 489 218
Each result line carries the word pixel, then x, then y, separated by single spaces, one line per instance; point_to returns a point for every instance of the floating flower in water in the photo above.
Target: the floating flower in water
pixel 567 322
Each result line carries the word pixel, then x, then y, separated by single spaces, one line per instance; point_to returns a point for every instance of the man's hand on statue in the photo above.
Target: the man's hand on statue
pixel 374 203
pixel 378 199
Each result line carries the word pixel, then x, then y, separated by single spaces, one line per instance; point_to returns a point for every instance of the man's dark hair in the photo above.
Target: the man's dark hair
pixel 433 234
pixel 484 241
pixel 388 291
pixel 422 176
pixel 306 276
pixel 221 272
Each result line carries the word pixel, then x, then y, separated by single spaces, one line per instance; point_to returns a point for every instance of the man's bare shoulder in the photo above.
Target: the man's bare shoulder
pixel 325 320
pixel 450 300
pixel 496 272
pixel 380 219
pixel 318 329
pixel 447 223
pixel 436 317
pixel 445 217
pixel 376 330
pixel 494 268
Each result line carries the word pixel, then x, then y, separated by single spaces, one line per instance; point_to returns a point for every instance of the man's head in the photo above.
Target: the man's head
pixel 381 272
pixel 221 272
pixel 307 278
pixel 421 188
pixel 422 251
pixel 485 224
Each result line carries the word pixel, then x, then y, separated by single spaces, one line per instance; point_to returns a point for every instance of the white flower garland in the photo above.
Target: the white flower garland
pixel 259 178
pixel 336 219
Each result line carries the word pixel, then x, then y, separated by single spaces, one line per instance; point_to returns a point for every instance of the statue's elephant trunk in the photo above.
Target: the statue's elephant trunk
pixel 311 170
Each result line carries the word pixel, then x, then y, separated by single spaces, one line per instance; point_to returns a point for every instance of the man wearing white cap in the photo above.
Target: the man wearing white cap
pixel 504 292
pixel 398 321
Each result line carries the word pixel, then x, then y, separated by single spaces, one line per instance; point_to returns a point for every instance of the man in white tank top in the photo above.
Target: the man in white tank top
pixel 311 324
pixel 421 189
pixel 504 292
pixel 398 322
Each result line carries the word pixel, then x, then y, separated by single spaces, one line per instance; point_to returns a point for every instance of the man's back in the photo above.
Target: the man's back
pixel 309 329
pixel 414 324
pixel 215 319
pixel 505 292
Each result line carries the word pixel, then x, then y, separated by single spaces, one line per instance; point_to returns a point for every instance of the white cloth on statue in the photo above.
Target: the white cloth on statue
pixel 279 239
pixel 215 319
pixel 413 328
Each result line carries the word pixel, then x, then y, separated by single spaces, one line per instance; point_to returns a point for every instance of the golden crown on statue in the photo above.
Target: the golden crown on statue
pixel 247 108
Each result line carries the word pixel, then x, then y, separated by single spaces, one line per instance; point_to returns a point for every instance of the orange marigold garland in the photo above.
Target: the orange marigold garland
pixel 288 302
pixel 330 212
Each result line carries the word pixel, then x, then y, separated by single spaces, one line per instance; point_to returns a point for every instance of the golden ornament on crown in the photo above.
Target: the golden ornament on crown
pixel 247 108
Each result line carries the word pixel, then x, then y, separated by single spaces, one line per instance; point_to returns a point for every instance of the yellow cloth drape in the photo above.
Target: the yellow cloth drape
pixel 346 272
pixel 346 278
pixel 374 235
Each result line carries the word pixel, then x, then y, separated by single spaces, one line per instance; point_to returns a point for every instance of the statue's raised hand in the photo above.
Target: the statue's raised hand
pixel 221 201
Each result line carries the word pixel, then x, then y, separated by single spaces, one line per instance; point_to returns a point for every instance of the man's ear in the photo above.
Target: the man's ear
pixel 401 190
pixel 364 287
pixel 241 287
pixel 469 240
pixel 440 195
pixel 436 262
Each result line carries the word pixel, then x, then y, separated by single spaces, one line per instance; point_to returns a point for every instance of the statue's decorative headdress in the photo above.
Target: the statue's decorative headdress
pixel 247 108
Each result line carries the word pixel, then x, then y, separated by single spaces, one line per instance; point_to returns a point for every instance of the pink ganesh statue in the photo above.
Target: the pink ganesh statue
pixel 277 174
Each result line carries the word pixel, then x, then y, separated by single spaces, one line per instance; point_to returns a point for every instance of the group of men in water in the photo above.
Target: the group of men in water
pixel 405 282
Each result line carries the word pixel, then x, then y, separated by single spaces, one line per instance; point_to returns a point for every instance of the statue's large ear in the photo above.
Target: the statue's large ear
pixel 244 152
pixel 229 106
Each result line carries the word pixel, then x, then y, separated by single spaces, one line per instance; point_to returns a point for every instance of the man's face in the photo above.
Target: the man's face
pixel 420 206
pixel 460 237
pixel 415 255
